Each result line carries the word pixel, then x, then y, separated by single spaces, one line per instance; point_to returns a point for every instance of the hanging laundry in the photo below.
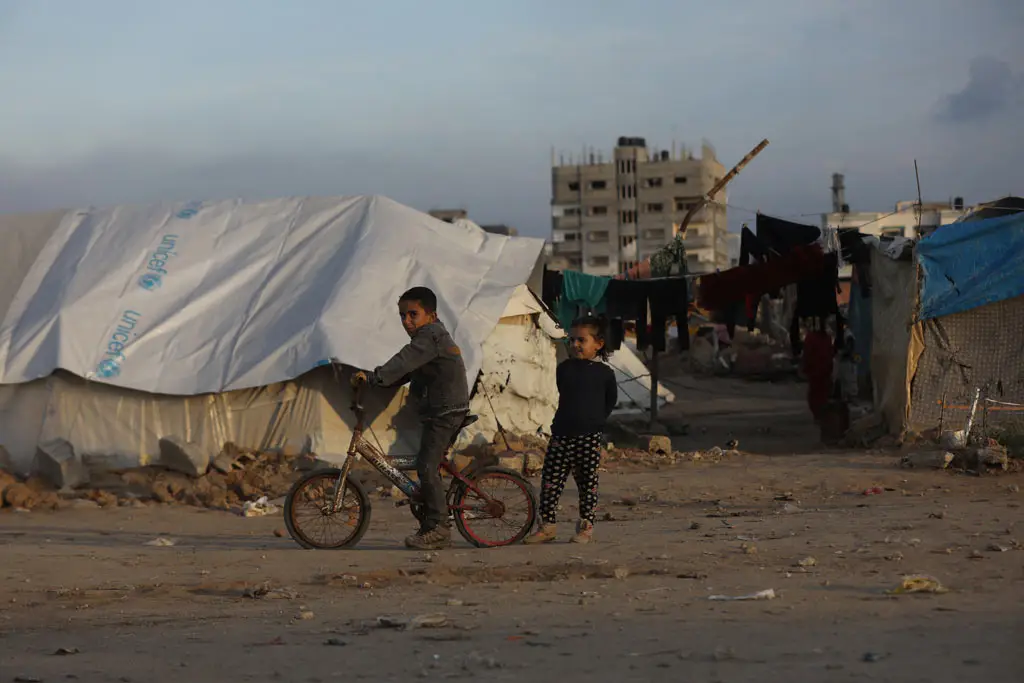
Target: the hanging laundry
pixel 614 334
pixel 750 245
pixel 551 287
pixel 626 299
pixel 580 290
pixel 781 236
pixel 719 290
pixel 668 299
pixel 670 260
pixel 816 296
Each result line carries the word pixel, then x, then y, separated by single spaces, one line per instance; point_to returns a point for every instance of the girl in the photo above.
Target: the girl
pixel 587 392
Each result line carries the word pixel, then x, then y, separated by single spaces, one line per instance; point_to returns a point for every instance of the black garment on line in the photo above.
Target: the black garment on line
pixel 625 299
pixel 750 245
pixel 551 287
pixel 587 393
pixel 614 334
pixel 780 236
pixel 668 298
pixel 816 297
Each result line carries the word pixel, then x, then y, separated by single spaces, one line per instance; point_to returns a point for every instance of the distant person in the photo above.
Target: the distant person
pixel 587 393
pixel 432 362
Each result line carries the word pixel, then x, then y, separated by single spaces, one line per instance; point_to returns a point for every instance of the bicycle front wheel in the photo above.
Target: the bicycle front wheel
pixel 313 519
pixel 503 515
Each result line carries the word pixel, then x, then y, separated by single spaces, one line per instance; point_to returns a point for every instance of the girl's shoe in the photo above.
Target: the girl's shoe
pixel 544 534
pixel 584 532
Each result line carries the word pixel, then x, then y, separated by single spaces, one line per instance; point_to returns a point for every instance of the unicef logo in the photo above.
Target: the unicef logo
pixel 108 368
pixel 150 281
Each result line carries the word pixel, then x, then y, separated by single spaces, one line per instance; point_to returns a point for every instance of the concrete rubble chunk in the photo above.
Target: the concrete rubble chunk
pixel 223 463
pixel 57 464
pixel 178 455
pixel 659 444
pixel 938 460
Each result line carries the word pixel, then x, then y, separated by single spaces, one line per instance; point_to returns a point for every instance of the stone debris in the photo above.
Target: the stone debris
pixel 178 455
pixel 57 463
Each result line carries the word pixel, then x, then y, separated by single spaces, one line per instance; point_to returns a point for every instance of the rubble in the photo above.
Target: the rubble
pixel 57 463
pixel 181 456
pixel 938 460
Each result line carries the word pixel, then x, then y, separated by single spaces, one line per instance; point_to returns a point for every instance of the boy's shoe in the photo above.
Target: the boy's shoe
pixel 545 534
pixel 584 532
pixel 438 538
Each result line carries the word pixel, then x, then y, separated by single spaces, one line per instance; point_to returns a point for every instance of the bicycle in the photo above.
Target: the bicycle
pixel 343 493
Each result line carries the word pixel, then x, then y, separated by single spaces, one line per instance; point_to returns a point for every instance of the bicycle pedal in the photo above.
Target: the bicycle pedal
pixel 402 503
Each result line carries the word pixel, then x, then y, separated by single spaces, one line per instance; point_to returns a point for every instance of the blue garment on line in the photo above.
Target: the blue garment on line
pixel 580 289
pixel 967 265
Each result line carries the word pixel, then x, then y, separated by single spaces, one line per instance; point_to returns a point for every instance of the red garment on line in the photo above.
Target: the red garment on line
pixel 720 290
pixel 817 365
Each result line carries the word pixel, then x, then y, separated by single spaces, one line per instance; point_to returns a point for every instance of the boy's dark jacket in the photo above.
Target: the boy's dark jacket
pixel 432 362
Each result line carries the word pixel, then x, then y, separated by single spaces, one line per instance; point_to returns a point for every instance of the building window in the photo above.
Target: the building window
pixel 571 236
pixel 682 205
pixel 598 184
pixel 598 236
pixel 652 182
pixel 654 234
pixel 626 265
pixel 597 211
pixel 893 232
pixel 657 207
pixel 626 241
pixel 572 211
pixel 628 217
pixel 680 180
pixel 598 261
pixel 574 187
pixel 627 192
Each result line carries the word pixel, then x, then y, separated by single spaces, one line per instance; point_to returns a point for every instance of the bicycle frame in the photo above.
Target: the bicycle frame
pixel 360 447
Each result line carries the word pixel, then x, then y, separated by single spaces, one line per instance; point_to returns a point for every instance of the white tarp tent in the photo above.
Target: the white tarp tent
pixel 188 299
pixel 208 322
pixel 333 261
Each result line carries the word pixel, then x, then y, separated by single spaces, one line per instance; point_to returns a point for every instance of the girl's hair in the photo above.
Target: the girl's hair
pixel 598 327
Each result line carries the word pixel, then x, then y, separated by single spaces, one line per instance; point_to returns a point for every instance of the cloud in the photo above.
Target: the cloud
pixel 992 87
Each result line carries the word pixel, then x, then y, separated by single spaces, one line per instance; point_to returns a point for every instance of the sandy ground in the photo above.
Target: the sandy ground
pixel 633 606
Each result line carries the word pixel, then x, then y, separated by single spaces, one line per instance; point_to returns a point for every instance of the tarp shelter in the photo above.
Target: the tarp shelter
pixel 967 334
pixel 258 296
pixel 213 322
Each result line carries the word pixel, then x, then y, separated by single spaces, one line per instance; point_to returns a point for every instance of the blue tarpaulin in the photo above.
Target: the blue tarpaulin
pixel 967 265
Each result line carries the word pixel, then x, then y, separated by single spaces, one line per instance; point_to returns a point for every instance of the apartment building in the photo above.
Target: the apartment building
pixel 608 215
pixel 907 220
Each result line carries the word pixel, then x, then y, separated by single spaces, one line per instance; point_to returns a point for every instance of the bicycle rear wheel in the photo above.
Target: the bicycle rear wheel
pixel 312 519
pixel 504 517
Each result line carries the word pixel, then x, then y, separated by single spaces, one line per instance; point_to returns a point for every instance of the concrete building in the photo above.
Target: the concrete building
pixel 903 221
pixel 608 215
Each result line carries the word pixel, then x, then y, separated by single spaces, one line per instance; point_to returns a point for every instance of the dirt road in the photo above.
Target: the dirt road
pixel 634 606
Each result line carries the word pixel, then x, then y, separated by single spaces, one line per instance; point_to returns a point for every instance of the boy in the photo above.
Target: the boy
pixel 432 361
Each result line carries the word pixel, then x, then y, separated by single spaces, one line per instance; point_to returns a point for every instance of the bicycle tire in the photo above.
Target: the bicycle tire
pixel 351 485
pixel 460 491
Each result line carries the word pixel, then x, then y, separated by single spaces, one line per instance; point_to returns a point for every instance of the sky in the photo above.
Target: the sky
pixel 458 103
